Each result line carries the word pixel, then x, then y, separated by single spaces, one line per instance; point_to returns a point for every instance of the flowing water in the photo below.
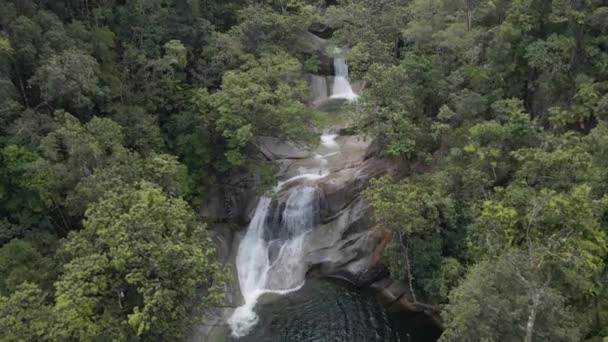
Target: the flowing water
pixel 269 259
pixel 342 88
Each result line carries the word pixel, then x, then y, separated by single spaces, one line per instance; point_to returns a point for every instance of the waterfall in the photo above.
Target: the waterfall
pixel 272 262
pixel 342 88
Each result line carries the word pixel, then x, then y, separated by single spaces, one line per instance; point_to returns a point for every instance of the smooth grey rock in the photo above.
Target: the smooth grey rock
pixel 345 247
pixel 311 43
pixel 342 187
pixel 319 91
pixel 274 149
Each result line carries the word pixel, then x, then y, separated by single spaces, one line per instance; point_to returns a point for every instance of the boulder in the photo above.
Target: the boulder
pixel 313 45
pixel 342 187
pixel 213 209
pixel 321 30
pixel 273 149
pixel 358 86
pixel 345 247
pixel 310 43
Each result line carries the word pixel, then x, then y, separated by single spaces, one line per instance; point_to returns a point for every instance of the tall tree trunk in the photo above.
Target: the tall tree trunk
pixel 468 10
pixel 22 90
pixel 532 312
pixel 410 277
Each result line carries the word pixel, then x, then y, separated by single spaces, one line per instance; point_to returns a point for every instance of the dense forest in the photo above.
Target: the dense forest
pixel 118 118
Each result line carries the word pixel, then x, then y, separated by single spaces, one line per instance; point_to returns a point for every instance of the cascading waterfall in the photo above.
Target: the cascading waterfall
pixel 342 88
pixel 272 262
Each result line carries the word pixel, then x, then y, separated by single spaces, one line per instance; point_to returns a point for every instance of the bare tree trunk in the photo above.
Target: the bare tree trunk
pixel 468 10
pixel 532 312
pixel 410 279
pixel 22 89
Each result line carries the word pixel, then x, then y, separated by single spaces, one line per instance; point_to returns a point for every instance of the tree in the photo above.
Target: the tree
pixel 492 144
pixel 265 97
pixel 393 107
pixel 141 129
pixel 21 204
pixel 144 260
pixel 263 28
pixel 25 315
pixel 561 241
pixel 71 153
pixel 492 303
pixel 415 215
pixel 69 79
pixel 21 262
pixel 124 170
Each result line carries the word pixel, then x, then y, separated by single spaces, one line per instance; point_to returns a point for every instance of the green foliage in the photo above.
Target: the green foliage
pixel 263 27
pixel 495 111
pixel 21 262
pixel 71 77
pixel 141 130
pixel 492 304
pixel 264 97
pixel 21 204
pixel 142 257
pixel 567 225
pixel 369 29
pixel 24 315
pixel 391 107
pixel 417 213
pixel 504 102
pixel 101 102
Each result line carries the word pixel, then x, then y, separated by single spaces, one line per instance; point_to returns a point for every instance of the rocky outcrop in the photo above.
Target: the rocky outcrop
pixel 343 245
pixel 344 186
pixel 275 149
pixel 233 201
pixel 398 298
pixel 359 86
pixel 313 45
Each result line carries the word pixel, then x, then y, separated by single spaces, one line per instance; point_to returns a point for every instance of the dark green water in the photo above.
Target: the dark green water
pixel 329 311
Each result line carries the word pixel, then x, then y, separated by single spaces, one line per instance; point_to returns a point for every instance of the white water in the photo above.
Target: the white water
pixel 342 88
pixel 328 140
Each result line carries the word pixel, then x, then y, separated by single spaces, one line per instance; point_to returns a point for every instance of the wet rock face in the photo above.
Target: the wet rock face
pixel 343 245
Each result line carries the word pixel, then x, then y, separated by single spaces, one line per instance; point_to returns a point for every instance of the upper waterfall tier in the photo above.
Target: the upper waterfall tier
pixel 342 88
